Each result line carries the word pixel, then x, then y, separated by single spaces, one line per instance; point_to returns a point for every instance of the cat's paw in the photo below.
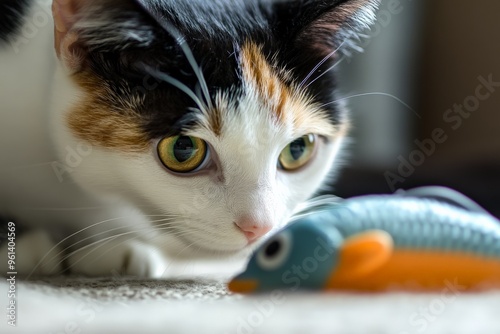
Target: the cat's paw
pixel 129 258
pixel 34 254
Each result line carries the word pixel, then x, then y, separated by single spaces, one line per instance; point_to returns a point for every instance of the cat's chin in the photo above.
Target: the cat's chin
pixel 209 253
pixel 184 248
pixel 222 251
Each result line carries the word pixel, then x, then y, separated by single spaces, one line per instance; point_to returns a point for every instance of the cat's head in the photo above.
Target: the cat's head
pixel 216 113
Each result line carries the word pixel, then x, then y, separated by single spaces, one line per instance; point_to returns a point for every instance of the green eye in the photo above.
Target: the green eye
pixel 298 153
pixel 182 154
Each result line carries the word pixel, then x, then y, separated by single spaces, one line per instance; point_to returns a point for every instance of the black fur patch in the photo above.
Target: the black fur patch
pixel 12 13
pixel 214 31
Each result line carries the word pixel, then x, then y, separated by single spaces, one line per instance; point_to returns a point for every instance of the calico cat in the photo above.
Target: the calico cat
pixel 134 132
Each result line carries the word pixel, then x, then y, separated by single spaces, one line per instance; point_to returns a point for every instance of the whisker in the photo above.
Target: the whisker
pixel 315 205
pixel 320 63
pixel 176 83
pixel 76 233
pixel 373 94
pixel 111 230
pixel 185 248
pixel 177 255
pixel 64 209
pixel 324 73
pixel 77 208
pixel 104 241
pixel 181 41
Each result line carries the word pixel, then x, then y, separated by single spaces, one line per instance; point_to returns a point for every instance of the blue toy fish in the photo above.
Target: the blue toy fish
pixel 423 239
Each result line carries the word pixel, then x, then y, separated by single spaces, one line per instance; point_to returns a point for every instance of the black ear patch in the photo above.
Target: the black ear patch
pixel 12 14
pixel 115 25
pixel 322 26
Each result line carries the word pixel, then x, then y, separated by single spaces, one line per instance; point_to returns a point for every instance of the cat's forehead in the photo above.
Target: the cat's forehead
pixel 260 95
pixel 267 102
pixel 264 63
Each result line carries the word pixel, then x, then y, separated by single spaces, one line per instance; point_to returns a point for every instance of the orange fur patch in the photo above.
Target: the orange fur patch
pixel 97 122
pixel 289 104
pixel 258 71
pixel 215 120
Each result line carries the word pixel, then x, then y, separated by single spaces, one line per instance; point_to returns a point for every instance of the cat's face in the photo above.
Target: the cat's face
pixel 206 111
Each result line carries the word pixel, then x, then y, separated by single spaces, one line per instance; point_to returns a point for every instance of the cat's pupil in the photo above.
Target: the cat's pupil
pixel 184 149
pixel 297 148
pixel 273 248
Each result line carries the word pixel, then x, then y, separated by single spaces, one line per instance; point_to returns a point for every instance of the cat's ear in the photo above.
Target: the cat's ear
pixel 65 15
pixel 324 25
pixel 83 26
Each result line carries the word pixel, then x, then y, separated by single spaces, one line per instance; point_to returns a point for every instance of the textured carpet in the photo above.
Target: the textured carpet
pixel 122 305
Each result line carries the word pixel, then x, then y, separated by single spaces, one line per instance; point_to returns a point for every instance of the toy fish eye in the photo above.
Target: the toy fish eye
pixel 275 252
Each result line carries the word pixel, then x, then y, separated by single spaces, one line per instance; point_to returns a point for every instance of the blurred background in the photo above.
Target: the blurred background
pixel 440 62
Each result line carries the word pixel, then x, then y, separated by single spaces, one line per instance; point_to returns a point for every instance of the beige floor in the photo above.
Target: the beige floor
pixel 122 305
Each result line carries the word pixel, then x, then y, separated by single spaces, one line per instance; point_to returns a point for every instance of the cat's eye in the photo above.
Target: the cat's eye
pixel 182 154
pixel 298 153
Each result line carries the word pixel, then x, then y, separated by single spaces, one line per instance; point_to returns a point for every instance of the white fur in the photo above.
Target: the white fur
pixel 111 196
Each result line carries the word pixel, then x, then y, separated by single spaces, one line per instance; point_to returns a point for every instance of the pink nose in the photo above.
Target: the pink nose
pixel 253 230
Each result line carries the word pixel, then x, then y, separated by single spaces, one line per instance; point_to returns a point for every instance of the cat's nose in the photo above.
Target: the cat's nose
pixel 252 229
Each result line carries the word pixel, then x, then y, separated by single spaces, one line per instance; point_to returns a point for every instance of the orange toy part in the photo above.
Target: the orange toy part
pixel 363 254
pixel 369 263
